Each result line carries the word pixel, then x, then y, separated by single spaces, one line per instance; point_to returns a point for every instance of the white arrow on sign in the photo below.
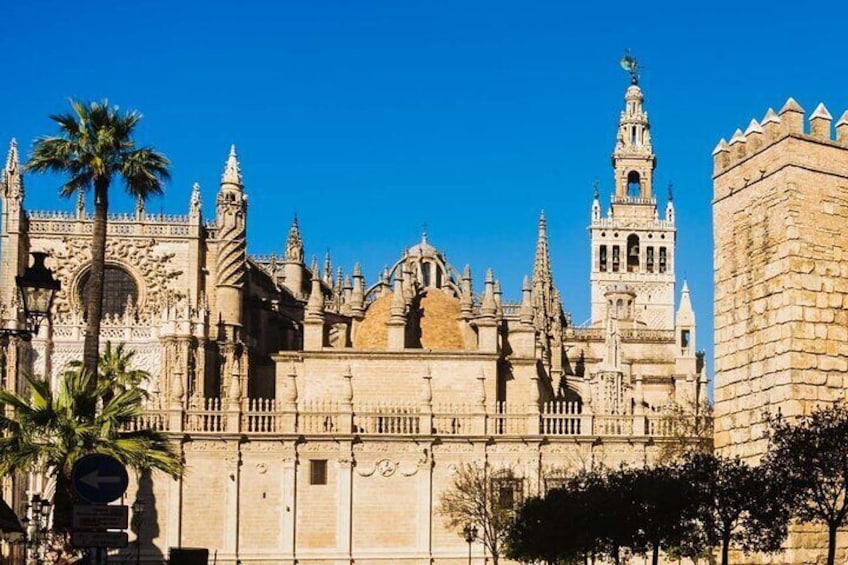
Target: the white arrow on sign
pixel 94 479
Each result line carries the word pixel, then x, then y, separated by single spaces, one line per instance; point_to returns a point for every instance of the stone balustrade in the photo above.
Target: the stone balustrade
pixel 332 418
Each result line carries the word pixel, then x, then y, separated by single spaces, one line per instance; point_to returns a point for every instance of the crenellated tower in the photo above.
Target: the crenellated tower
pixel 633 247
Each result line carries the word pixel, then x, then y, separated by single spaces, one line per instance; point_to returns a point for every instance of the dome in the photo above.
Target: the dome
pixel 372 332
pixel 436 314
pixel 423 249
pixel 439 321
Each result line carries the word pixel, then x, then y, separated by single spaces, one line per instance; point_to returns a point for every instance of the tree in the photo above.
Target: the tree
pixel 94 147
pixel 48 432
pixel 688 428
pixel 552 529
pixel 735 504
pixel 662 503
pixel 812 455
pixel 476 498
pixel 115 369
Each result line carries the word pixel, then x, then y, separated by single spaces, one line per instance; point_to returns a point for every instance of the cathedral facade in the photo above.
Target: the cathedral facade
pixel 320 417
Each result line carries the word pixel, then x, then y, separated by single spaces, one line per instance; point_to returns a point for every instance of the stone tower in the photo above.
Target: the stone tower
pixel 781 281
pixel 632 247
pixel 231 238
pixel 12 251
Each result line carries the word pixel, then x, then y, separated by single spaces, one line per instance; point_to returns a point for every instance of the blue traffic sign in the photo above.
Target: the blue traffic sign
pixel 99 479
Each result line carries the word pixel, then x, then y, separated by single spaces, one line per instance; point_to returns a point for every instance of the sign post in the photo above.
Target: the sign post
pixel 98 480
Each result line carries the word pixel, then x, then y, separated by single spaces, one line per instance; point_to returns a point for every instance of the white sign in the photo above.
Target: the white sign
pixel 100 517
pixel 99 539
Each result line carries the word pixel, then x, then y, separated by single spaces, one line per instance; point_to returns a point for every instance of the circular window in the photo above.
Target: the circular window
pixel 119 289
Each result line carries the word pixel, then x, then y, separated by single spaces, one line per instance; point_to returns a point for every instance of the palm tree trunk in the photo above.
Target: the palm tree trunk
pixel 655 554
pixel 63 503
pixel 94 296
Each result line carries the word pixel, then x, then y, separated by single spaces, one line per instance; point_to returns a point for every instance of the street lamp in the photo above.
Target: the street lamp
pixel 35 526
pixel 470 533
pixel 37 289
pixel 138 512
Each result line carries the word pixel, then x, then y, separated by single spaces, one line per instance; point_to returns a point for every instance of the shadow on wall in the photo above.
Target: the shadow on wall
pixel 145 526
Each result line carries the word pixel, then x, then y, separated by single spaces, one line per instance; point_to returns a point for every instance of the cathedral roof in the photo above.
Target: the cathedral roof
pixel 422 249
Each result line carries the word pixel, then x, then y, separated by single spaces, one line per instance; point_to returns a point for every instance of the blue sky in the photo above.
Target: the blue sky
pixel 370 119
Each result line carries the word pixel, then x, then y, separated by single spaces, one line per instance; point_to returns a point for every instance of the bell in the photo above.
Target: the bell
pixel 634 251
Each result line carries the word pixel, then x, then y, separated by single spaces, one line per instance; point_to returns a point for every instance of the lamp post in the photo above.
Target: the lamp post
pixel 37 289
pixel 35 527
pixel 470 533
pixel 138 513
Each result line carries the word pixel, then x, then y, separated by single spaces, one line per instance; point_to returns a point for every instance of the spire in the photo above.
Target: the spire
pixel 194 203
pixel 12 185
pixel 232 170
pixel 294 243
pixel 526 310
pixel 685 313
pixel 80 204
pixel 328 269
pixel 542 265
pixel 596 201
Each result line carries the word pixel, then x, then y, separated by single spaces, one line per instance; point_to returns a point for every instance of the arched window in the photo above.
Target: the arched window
pixel 425 272
pixel 119 289
pixel 603 258
pixel 663 260
pixel 619 309
pixel 633 256
pixel 634 184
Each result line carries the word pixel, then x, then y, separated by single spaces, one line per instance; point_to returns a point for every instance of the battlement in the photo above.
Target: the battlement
pixel 774 128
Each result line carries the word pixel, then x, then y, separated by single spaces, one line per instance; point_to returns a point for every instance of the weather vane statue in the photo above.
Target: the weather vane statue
pixel 630 64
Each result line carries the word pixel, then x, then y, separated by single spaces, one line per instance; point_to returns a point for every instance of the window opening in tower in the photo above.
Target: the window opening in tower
pixel 634 185
pixel 633 253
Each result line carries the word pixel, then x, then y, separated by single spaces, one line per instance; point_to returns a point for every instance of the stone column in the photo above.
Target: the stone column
pixel 232 462
pixel 344 488
pixel 288 479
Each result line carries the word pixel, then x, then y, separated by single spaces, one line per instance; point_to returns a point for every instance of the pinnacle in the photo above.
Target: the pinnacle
pixel 753 127
pixel 738 137
pixel 232 170
pixel 685 286
pixel 771 117
pixel 12 161
pixel 821 113
pixel 791 106
pixel 843 120
pixel 721 147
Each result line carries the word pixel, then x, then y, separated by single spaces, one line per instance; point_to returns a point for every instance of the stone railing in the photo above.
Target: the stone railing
pixel 333 418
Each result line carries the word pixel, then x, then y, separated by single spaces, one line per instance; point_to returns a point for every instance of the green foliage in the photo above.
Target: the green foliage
pixel 48 431
pixel 735 505
pixel 811 456
pixel 94 145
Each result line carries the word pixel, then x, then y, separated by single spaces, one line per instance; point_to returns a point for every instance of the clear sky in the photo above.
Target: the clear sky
pixel 370 119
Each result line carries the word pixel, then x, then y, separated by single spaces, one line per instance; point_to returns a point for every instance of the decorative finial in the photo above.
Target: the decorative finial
pixel 232 170
pixel 670 191
pixel 630 64
pixel 597 189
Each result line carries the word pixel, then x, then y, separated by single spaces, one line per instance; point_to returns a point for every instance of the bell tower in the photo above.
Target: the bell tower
pixel 632 246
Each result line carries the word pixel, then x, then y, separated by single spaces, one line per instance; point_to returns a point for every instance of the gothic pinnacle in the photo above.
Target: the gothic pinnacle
pixel 232 170
pixel 542 266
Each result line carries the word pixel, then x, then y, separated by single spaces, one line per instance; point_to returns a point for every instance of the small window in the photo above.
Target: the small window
pixel 603 258
pixel 317 471
pixel 508 492
pixel 684 339
pixel 650 259
pixel 616 258
pixel 663 260
pixel 633 253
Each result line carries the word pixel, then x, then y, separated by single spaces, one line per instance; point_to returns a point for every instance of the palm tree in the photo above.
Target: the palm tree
pixel 94 147
pixel 114 367
pixel 48 432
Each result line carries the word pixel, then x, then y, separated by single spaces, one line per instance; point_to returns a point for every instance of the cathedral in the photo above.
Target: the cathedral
pixel 320 416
